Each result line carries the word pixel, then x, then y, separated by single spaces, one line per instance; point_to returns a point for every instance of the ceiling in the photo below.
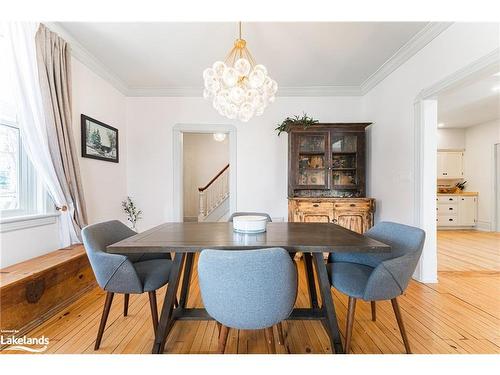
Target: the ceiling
pixel 171 56
pixel 470 104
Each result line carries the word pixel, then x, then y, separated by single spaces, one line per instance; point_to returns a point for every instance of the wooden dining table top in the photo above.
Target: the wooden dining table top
pixel 294 237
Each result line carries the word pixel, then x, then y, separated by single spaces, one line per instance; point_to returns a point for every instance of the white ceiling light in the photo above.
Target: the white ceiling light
pixel 441 125
pixel 238 87
pixel 497 74
pixel 496 88
pixel 219 137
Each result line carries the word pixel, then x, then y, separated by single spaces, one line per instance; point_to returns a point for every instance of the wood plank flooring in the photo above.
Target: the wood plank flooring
pixel 468 250
pixel 461 314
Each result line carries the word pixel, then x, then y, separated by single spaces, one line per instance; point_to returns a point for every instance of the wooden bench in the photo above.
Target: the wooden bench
pixel 34 290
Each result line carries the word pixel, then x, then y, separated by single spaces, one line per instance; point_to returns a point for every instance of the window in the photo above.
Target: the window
pixel 21 193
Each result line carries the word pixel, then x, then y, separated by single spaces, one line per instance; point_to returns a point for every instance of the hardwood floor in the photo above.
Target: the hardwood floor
pixel 461 314
pixel 468 250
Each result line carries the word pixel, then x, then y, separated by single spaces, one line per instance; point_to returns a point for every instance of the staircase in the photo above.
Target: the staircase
pixel 214 197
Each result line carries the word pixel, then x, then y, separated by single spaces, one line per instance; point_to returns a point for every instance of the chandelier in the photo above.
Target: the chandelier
pixel 237 86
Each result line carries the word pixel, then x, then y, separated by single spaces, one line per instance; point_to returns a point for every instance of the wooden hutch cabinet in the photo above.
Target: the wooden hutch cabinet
pixel 326 176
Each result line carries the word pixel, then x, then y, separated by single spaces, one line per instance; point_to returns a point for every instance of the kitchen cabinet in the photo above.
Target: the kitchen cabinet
pixel 450 164
pixel 456 210
pixel 467 211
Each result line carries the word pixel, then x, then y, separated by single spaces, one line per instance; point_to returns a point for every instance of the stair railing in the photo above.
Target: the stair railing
pixel 213 193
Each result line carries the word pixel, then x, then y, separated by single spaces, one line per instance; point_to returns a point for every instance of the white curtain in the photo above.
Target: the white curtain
pixel 21 41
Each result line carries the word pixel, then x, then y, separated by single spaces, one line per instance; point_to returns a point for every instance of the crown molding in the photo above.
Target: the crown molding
pixel 415 44
pixel 408 50
pixel 282 91
pixel 487 64
pixel 88 59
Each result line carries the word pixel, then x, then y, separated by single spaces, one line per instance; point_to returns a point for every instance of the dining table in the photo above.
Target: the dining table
pixel 185 239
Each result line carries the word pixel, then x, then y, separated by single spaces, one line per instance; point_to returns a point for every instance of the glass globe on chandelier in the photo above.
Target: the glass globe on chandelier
pixel 238 87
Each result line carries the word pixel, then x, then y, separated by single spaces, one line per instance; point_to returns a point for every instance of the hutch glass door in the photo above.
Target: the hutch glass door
pixel 312 161
pixel 344 161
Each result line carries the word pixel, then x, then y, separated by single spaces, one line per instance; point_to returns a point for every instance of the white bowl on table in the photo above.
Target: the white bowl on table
pixel 250 224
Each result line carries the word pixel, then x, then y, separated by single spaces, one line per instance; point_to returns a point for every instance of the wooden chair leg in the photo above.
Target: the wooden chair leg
pixel 281 337
pixel 399 318
pixel 374 310
pixel 104 318
pixel 219 327
pixel 223 333
pixel 271 348
pixel 350 322
pixel 125 304
pixel 154 309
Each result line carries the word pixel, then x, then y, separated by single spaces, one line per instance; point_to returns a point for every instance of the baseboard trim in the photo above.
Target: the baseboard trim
pixel 483 226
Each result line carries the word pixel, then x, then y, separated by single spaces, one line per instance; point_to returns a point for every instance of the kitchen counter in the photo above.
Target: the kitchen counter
pixel 463 194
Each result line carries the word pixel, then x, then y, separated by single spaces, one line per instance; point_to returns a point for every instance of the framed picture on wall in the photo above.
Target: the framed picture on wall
pixel 99 140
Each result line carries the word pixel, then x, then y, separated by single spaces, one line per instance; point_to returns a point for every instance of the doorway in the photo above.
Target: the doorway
pixel 205 176
pixel 426 159
pixel 497 186
pixel 201 155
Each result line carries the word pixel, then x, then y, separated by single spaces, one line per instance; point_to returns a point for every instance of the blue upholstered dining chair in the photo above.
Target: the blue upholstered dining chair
pixel 235 214
pixel 248 289
pixel 374 277
pixel 116 273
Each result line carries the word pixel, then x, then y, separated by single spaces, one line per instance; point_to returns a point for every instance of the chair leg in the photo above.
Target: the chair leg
pixel 281 337
pixel 374 310
pixel 350 322
pixel 223 333
pixel 399 318
pixel 125 304
pixel 271 348
pixel 104 318
pixel 219 328
pixel 154 309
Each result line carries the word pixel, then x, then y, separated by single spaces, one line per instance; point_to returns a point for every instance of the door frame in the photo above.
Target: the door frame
pixel 495 225
pixel 177 170
pixel 425 156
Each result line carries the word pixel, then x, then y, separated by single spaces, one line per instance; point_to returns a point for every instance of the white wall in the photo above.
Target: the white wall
pixel 203 158
pixel 391 106
pixel 104 183
pixel 451 139
pixel 478 168
pixel 261 154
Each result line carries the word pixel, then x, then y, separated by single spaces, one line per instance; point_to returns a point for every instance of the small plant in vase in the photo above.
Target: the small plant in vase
pixel 133 213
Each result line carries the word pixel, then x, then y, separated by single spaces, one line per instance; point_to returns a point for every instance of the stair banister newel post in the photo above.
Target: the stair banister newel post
pixel 202 204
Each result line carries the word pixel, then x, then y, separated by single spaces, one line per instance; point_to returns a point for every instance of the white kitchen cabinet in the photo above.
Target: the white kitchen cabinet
pixel 450 164
pixel 467 211
pixel 454 210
